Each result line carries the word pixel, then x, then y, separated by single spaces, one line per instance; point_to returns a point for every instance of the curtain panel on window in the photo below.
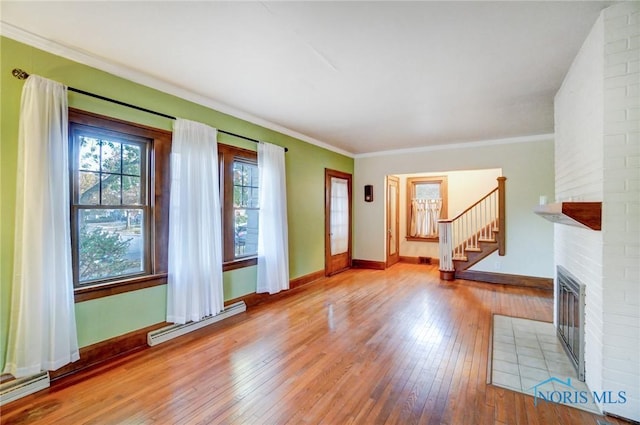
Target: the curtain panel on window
pixel 273 240
pixel 194 289
pixel 42 326
pixel 425 214
pixel 339 216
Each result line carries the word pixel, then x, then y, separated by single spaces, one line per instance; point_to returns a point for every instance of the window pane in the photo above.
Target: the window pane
pixel 255 194
pixel 131 190
pixel 131 159
pixel 237 173
pixel 89 154
pixel 246 192
pixel 89 183
pixel 237 196
pixel 254 176
pixel 110 243
pixel 111 157
pixel 111 189
pixel 428 191
pixel 246 232
pixel 245 185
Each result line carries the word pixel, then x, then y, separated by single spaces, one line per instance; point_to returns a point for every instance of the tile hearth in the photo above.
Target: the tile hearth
pixel 526 353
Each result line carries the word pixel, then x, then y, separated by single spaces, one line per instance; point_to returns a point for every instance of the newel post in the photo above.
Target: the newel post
pixel 445 246
pixel 502 216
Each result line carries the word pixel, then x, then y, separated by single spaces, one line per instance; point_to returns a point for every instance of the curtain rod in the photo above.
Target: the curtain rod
pixel 23 75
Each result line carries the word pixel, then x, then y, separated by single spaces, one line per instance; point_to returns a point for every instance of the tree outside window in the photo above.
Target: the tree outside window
pixel 110 213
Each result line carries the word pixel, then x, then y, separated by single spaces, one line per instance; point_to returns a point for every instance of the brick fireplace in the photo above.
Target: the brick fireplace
pixel 597 158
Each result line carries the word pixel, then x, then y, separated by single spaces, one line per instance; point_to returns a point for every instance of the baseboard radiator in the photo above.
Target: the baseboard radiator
pixel 173 331
pixel 22 387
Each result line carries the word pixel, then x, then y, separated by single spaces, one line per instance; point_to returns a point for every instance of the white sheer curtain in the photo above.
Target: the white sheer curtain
pixel 195 233
pixel 424 217
pixel 42 326
pixel 339 216
pixel 273 242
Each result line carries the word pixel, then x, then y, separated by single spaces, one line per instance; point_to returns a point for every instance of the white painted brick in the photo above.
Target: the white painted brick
pixel 632 161
pixel 616 364
pixel 621 320
pixel 613 141
pixel 597 156
pixel 621 81
pixel 621 127
pixel 615 351
pixel 617 21
pixel 621 32
pixel 616 70
pixel 622 57
pixel 615 94
pixel 615 161
pixel 617 46
pixel 625 379
pixel 623 331
pixel 632 298
pixel 621 9
pixel 615 115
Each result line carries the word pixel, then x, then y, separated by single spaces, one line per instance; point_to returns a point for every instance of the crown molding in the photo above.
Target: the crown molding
pixel 465 145
pixel 89 59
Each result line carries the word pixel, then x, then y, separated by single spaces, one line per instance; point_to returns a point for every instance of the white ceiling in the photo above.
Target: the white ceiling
pixel 360 76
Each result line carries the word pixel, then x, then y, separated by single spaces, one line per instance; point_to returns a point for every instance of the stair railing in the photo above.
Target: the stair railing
pixel 482 221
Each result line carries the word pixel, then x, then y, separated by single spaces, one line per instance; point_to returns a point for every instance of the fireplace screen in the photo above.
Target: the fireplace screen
pixel 571 318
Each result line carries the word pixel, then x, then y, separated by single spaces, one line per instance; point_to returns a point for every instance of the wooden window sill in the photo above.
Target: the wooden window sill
pixel 240 263
pixel 417 239
pixel 86 293
pixel 92 292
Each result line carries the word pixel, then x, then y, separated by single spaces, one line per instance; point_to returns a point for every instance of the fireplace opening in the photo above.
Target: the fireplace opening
pixel 570 309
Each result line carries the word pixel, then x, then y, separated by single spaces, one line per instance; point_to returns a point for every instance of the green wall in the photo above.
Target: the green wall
pixel 101 319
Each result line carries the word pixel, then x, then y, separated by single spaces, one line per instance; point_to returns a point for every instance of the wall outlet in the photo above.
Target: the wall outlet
pixel 497 265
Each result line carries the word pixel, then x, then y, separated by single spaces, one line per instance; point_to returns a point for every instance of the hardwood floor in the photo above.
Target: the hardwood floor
pixel 363 347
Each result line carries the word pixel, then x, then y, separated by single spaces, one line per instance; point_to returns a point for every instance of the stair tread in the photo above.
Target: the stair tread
pixel 486 240
pixel 473 249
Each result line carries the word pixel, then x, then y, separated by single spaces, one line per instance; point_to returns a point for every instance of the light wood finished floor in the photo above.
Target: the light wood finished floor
pixel 363 347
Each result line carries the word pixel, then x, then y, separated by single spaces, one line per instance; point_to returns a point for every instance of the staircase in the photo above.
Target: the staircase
pixel 473 234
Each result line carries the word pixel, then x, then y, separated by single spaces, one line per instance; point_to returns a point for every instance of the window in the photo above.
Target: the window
pixel 426 204
pixel 118 203
pixel 110 207
pixel 245 208
pixel 239 186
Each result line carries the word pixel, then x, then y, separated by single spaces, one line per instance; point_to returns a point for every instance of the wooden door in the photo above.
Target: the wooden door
pixel 337 221
pixel 393 221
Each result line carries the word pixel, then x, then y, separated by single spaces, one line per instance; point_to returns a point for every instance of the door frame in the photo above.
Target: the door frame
pixel 328 174
pixel 392 259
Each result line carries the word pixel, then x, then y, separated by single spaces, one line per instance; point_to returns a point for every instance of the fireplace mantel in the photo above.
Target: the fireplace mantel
pixel 587 215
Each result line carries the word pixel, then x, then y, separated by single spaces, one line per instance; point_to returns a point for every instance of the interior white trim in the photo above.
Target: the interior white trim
pixel 86 58
pixel 465 145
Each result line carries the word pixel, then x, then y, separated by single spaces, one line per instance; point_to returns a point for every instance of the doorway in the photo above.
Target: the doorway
pixel 393 220
pixel 337 221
